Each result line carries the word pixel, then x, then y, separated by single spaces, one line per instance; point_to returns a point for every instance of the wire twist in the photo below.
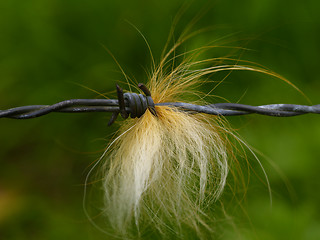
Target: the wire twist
pixel 135 105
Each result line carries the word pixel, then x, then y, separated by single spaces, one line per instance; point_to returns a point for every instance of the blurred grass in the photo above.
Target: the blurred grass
pixel 48 48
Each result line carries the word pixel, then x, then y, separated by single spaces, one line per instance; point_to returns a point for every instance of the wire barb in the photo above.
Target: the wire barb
pixel 135 105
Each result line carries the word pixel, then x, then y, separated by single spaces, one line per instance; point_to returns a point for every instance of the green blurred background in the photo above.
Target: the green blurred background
pixel 49 48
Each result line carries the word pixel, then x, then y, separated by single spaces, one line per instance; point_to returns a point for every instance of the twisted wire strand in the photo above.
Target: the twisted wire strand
pixel 111 105
pixel 134 105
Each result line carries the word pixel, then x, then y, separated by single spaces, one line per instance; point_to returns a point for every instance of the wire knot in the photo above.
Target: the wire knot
pixel 133 104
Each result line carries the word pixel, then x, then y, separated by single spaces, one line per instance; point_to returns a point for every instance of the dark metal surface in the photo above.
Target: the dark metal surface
pixel 134 105
pixel 234 109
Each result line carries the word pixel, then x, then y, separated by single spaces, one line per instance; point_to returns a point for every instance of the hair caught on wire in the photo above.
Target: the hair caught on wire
pixel 169 164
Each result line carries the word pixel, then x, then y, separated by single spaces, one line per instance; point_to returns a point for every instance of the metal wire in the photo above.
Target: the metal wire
pixel 134 105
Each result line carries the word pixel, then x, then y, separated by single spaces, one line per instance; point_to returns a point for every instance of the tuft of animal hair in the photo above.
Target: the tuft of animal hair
pixel 163 175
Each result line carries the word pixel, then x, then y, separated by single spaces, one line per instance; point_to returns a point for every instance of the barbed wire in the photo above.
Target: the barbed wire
pixel 135 105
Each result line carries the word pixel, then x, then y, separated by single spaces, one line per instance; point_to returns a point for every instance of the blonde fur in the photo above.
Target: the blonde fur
pixel 164 174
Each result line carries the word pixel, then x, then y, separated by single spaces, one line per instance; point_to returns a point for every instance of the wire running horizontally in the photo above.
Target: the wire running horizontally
pixel 134 105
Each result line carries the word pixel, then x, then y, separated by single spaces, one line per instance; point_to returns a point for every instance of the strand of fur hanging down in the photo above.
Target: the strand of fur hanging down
pixel 169 163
